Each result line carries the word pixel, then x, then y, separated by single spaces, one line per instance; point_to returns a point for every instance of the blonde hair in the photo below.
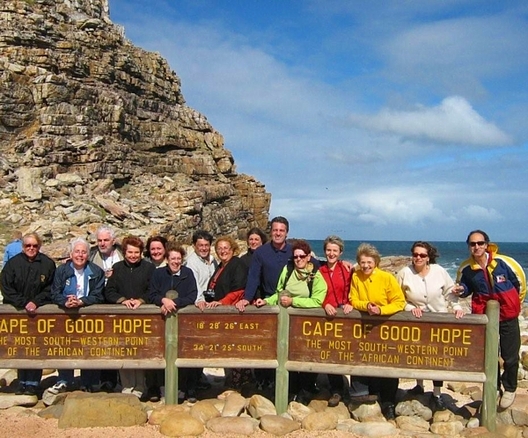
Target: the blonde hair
pixel 368 250
pixel 232 243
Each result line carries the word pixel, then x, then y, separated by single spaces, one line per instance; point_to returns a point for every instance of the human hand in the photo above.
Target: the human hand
pixel 373 309
pixel 347 308
pixel 213 304
pixel 201 305
pixel 260 302
pixel 286 301
pixel 31 307
pixel 459 313
pixel 330 310
pixel 241 305
pixel 417 312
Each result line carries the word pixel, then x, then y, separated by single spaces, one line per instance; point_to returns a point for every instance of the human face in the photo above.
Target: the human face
pixel 332 253
pixel 300 259
pixel 30 247
pixel 157 252
pixel 174 261
pixel 278 234
pixel 79 256
pixel 224 251
pixel 105 243
pixel 477 245
pixel 420 258
pixel 203 248
pixel 132 254
pixel 254 241
pixel 367 264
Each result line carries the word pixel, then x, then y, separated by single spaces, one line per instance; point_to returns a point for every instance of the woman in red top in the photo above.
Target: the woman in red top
pixel 337 277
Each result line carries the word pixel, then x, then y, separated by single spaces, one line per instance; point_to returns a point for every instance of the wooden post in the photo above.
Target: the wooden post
pixel 489 399
pixel 282 375
pixel 171 353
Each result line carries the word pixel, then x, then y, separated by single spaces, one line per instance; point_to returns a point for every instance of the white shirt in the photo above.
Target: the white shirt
pixel 203 270
pixel 431 293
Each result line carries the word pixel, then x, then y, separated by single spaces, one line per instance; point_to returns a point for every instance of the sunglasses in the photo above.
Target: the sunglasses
pixel 295 257
pixel 31 245
pixel 479 243
pixel 421 255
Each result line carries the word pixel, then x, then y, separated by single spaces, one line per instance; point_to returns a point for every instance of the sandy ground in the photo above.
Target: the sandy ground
pixel 24 422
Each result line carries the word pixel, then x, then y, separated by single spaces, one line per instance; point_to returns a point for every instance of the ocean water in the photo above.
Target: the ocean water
pixel 451 253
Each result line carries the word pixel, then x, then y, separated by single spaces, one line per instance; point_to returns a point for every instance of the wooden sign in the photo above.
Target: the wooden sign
pixel 383 342
pixel 250 336
pixel 82 336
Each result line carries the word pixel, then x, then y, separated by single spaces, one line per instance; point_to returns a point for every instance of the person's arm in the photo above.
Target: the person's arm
pixel 155 292
pixel 319 289
pixel 253 278
pixel 96 292
pixel 43 296
pixel 191 291
pixel 111 291
pixel 358 300
pixel 57 287
pixel 395 297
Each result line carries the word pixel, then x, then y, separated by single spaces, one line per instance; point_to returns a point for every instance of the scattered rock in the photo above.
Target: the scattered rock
pixel 181 424
pixel 233 425
pixel 101 410
pixel 320 421
pixel 277 425
pixel 258 406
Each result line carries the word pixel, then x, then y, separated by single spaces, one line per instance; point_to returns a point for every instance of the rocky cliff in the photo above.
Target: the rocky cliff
pixel 95 130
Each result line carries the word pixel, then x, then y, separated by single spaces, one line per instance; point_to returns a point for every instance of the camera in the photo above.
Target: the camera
pixel 209 295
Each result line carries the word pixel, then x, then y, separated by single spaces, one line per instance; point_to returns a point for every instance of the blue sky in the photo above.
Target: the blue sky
pixel 378 120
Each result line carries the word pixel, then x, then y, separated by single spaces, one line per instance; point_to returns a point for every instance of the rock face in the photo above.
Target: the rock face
pixel 95 130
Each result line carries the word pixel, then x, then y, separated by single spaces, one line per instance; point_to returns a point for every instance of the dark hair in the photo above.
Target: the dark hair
pixel 303 245
pixel 259 232
pixel 432 252
pixel 133 241
pixel 202 234
pixel 281 220
pixel 175 247
pixel 151 239
pixel 486 237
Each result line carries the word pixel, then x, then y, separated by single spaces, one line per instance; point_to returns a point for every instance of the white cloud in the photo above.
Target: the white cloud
pixel 480 213
pixel 453 121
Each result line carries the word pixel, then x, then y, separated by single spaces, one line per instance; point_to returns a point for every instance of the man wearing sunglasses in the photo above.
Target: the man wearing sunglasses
pixel 487 275
pixel 26 284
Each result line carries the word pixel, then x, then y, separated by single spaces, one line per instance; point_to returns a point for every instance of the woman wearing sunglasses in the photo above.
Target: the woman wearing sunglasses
pixel 300 285
pixel 428 288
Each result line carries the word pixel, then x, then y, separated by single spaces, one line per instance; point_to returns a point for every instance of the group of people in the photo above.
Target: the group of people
pixel 270 273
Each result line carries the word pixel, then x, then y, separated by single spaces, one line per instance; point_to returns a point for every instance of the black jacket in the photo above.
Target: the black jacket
pixel 25 281
pixel 232 278
pixel 129 281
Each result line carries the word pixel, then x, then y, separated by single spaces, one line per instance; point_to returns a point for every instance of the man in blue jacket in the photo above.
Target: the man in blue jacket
pixel 487 275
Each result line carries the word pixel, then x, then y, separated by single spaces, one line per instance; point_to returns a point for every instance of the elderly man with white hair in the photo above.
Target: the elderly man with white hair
pixel 77 283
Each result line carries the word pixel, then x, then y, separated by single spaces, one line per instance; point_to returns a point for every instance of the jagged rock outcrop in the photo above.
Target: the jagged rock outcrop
pixel 95 130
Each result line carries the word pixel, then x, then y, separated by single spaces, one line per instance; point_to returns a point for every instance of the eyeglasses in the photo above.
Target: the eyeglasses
pixel 420 254
pixel 31 245
pixel 479 243
pixel 295 257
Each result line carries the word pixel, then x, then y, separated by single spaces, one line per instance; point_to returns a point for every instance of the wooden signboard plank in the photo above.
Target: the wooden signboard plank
pixel 249 336
pixel 81 337
pixel 386 342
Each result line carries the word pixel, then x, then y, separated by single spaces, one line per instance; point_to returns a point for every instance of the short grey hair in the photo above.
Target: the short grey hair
pixel 336 240
pixel 79 241
pixel 105 229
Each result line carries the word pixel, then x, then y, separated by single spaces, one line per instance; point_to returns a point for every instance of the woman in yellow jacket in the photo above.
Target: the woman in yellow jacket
pixel 378 293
